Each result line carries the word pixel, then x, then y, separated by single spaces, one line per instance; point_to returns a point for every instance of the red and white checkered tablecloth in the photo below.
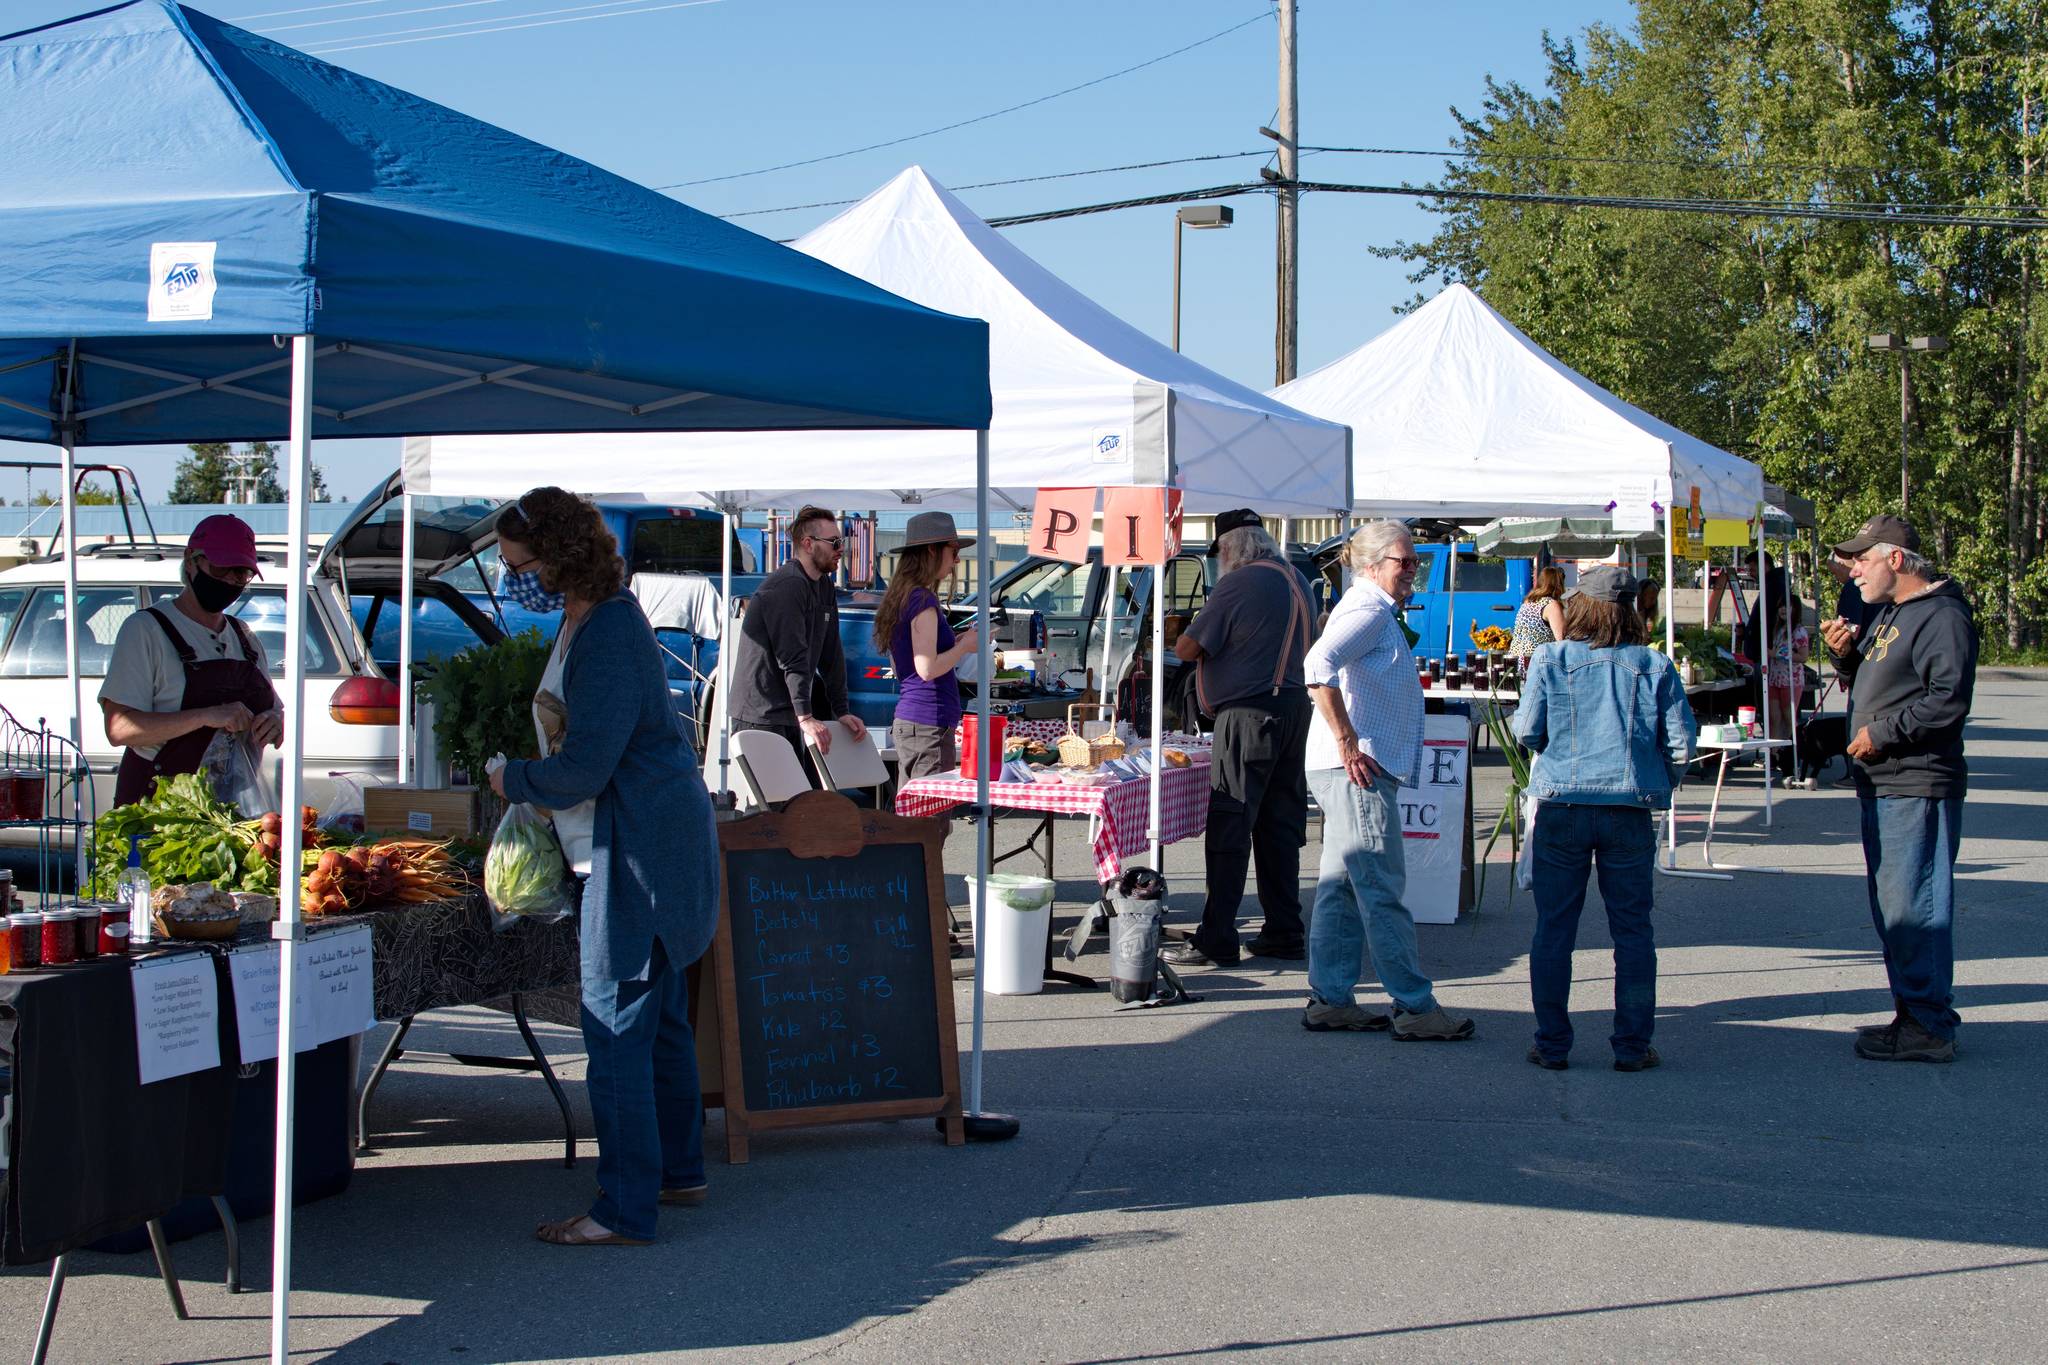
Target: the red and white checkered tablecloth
pixel 1117 813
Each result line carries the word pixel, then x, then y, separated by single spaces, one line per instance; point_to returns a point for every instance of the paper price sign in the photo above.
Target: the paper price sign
pixel 177 1016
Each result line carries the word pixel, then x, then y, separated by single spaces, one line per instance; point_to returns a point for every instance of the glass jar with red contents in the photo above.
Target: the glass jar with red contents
pixel 114 938
pixel 29 786
pixel 112 913
pixel 25 937
pixel 7 804
pixel 60 940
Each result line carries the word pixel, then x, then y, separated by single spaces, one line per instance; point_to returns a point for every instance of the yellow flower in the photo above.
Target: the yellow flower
pixel 1491 639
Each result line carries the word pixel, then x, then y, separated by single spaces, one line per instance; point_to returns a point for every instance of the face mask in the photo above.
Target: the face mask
pixel 525 590
pixel 214 594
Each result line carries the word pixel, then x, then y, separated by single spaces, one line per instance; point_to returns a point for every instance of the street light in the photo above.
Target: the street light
pixel 1892 341
pixel 1194 216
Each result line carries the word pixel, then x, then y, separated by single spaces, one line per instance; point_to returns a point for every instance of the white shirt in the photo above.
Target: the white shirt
pixel 146 674
pixel 1364 655
pixel 550 723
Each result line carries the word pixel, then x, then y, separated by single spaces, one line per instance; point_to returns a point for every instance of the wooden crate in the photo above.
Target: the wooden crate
pixel 437 814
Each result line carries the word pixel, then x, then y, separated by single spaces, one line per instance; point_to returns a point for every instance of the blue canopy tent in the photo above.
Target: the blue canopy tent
pixel 211 236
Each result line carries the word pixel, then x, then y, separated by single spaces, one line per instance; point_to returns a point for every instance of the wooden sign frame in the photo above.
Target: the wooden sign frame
pixel 824 824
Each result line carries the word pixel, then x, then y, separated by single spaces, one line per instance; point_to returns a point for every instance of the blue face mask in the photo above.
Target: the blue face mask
pixel 525 590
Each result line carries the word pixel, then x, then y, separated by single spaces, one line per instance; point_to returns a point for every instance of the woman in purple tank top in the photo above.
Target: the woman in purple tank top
pixel 924 649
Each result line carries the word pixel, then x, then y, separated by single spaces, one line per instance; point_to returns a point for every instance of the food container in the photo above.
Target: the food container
pixel 113 915
pixel 7 808
pixel 60 940
pixel 25 940
pixel 85 930
pixel 1745 716
pixel 29 786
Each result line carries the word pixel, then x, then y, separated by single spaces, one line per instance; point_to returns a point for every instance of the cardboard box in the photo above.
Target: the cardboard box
pixel 437 814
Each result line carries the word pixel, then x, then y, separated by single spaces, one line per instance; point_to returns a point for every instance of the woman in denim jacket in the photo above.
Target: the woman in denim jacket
pixel 1607 721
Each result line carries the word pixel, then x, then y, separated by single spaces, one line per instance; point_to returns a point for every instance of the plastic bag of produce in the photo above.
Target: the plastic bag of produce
pixel 235 768
pixel 524 875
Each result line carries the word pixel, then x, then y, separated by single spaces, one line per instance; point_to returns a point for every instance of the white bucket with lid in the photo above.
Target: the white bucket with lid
pixel 1013 932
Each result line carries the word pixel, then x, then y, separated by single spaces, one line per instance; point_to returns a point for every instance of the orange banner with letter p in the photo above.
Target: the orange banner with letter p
pixel 1063 523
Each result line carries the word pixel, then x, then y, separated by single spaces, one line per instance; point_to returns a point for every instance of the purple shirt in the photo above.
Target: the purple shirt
pixel 936 702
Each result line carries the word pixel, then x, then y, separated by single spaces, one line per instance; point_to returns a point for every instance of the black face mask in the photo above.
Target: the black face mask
pixel 214 594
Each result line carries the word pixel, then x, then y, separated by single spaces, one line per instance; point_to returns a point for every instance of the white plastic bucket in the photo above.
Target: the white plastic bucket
pixel 1014 932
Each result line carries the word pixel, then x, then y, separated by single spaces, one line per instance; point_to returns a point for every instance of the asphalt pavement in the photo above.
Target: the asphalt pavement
pixel 1210 1178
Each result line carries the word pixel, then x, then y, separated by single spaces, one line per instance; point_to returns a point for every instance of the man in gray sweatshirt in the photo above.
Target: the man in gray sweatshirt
pixel 1912 668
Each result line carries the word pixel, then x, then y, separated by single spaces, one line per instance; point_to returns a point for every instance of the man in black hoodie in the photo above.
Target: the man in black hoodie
pixel 1913 667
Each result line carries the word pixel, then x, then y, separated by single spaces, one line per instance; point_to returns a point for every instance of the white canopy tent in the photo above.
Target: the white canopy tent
pixel 1459 414
pixel 1081 398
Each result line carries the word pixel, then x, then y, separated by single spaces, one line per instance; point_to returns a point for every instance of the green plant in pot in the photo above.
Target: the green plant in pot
pixel 483 705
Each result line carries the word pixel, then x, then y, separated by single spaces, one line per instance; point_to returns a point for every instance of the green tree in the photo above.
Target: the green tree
pixel 90 494
pixel 1751 330
pixel 215 470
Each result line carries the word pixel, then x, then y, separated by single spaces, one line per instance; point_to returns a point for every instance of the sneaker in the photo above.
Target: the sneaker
pixel 1906 1041
pixel 1321 1018
pixel 1872 1030
pixel 1536 1058
pixel 1286 949
pixel 1648 1061
pixel 1188 955
pixel 1433 1027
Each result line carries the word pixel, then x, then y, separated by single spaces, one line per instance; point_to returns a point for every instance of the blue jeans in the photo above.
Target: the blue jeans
pixel 1570 842
pixel 644 1096
pixel 1358 895
pixel 1909 849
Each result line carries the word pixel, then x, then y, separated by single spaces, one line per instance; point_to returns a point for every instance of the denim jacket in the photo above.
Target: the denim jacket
pixel 1608 727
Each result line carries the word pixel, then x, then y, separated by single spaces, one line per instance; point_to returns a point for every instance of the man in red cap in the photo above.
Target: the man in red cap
pixel 186 673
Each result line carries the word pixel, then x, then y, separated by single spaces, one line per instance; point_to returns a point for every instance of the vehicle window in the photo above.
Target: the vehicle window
pixel 37 650
pixel 684 658
pixel 1057 589
pixel 437 631
pixel 1482 575
pixel 10 607
pixel 1425 571
pixel 1187 586
pixel 677 545
pixel 262 611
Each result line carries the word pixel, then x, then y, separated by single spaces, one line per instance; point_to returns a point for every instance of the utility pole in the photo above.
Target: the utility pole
pixel 1287 283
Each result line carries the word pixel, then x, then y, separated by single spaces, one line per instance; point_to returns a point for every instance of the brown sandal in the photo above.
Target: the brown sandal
pixel 567 1232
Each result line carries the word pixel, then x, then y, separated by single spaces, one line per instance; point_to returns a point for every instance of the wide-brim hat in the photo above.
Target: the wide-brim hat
pixel 933 528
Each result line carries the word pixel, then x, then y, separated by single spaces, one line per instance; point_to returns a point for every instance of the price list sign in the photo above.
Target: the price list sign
pixel 836 991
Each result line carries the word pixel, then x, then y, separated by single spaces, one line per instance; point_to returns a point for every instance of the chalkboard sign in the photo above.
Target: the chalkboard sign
pixel 835 989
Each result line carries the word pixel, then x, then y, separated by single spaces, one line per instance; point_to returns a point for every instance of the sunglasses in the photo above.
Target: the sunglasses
pixel 1405 561
pixel 834 541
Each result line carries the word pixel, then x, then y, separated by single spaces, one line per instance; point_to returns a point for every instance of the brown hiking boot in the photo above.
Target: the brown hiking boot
pixel 1905 1042
pixel 1433 1027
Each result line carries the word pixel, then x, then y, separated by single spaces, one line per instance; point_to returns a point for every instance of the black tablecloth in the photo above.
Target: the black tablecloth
pixel 95 1151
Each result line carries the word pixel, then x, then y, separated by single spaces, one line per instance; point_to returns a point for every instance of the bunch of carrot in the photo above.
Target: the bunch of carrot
pixel 407 872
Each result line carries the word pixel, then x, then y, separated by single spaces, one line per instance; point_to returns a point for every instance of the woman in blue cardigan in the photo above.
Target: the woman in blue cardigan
pixel 634 818
pixel 1611 732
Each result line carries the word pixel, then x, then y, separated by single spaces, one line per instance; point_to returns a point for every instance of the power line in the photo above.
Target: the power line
pixel 398 38
pixel 383 15
pixel 969 122
pixel 1574 158
pixel 1019 180
pixel 1881 215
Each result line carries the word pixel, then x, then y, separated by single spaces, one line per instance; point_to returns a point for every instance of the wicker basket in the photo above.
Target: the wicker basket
pixel 197 930
pixel 1079 752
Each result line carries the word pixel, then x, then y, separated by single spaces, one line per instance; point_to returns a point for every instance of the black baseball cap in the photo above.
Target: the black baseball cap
pixel 1881 531
pixel 1606 583
pixel 1235 519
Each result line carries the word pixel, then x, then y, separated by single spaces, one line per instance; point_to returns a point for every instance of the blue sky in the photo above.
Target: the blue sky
pixel 665 92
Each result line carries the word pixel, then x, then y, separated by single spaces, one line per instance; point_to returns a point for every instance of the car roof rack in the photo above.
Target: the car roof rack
pixel 161 549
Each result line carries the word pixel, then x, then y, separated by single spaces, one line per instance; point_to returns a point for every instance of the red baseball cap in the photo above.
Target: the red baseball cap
pixel 226 541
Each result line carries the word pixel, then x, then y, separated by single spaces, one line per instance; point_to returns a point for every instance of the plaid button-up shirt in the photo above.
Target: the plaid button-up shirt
pixel 1364 655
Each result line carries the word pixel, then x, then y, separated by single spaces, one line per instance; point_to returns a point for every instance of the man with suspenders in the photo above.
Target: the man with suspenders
pixel 1248 643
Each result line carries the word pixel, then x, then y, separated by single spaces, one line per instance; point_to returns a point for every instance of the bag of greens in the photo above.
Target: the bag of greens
pixel 524 875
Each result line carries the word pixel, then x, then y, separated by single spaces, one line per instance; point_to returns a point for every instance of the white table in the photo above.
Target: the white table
pixel 1720 872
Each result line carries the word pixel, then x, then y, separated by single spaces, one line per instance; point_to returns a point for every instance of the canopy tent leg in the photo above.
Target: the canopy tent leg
pixel 722 710
pixel 1763 636
pixel 1671 653
pixel 1451 600
pixel 405 607
pixel 980 1125
pixel 74 685
pixel 1106 693
pixel 1158 708
pixel 289 927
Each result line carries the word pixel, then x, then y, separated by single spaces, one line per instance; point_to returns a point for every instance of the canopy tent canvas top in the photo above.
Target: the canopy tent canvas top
pixel 1081 399
pixel 180 194
pixel 1587 537
pixel 1457 413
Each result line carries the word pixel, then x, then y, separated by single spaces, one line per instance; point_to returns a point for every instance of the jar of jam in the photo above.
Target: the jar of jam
pixel 30 784
pixel 60 940
pixel 25 938
pixel 85 930
pixel 112 913
pixel 114 938
pixel 7 808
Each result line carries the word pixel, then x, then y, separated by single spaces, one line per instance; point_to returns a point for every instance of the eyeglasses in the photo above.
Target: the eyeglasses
pixel 522 566
pixel 1405 561
pixel 834 541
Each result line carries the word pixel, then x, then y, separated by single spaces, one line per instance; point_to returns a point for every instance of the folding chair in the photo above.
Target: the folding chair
pixel 770 772
pixel 851 763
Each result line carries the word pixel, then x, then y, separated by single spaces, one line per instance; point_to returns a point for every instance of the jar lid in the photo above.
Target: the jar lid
pixel 29 916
